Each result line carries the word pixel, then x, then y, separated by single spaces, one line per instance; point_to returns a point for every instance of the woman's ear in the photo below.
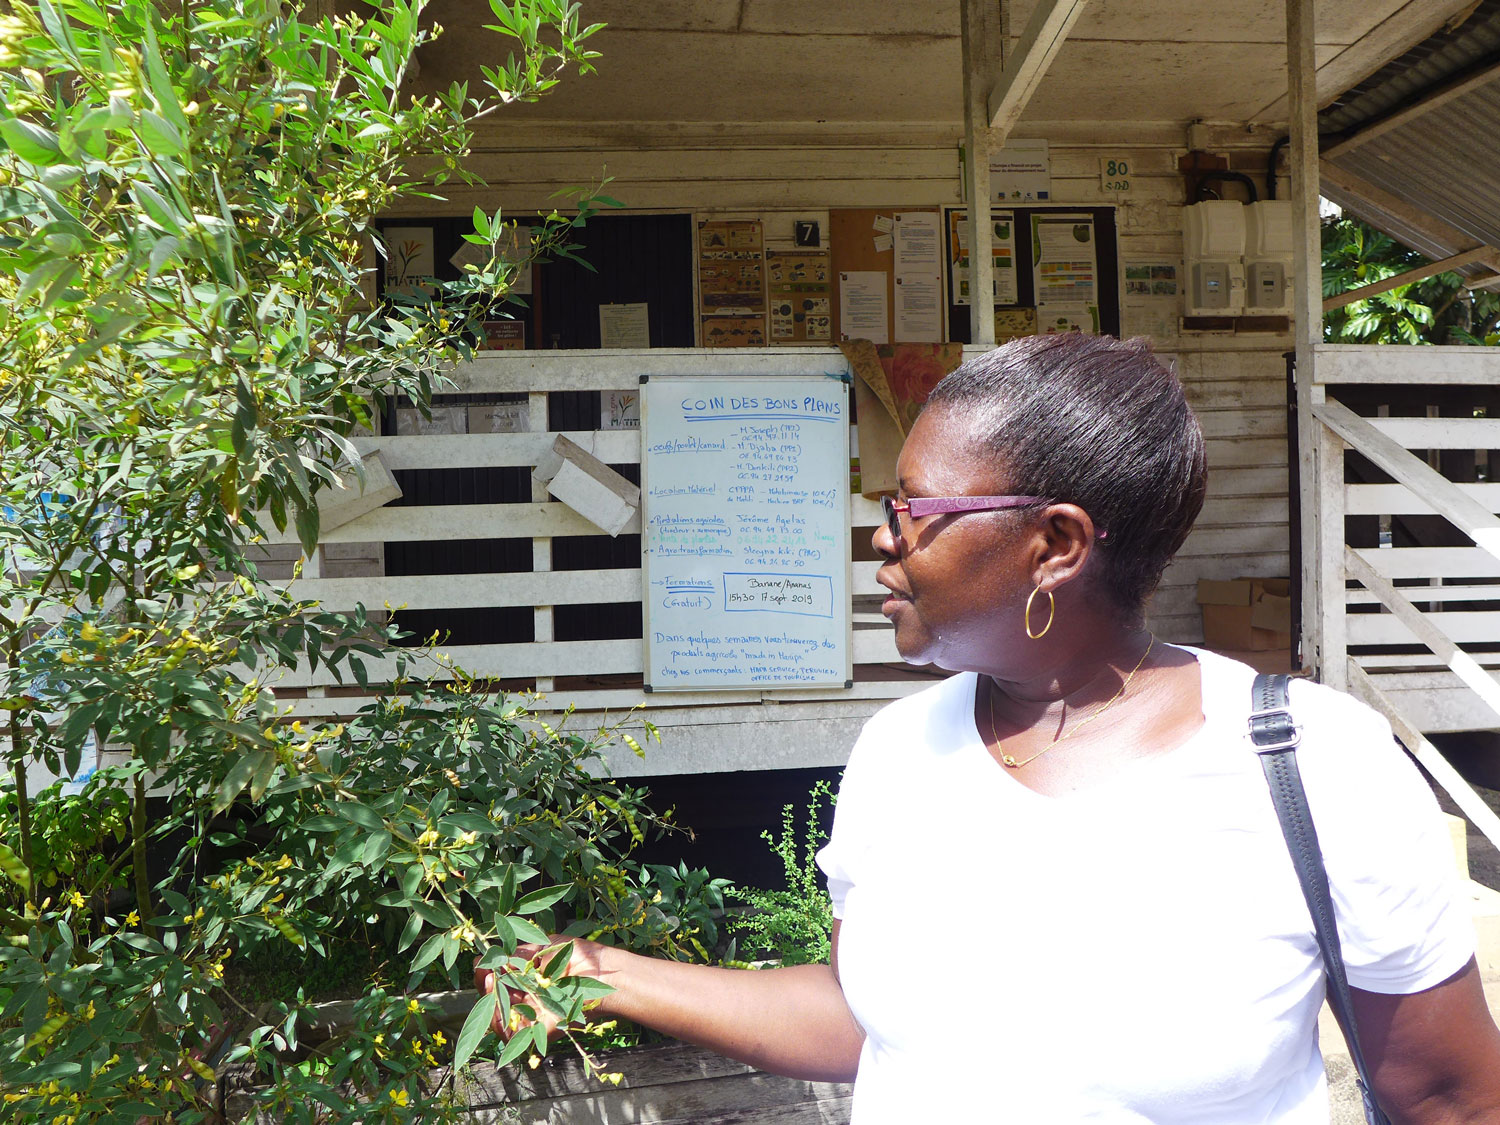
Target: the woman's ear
pixel 1064 542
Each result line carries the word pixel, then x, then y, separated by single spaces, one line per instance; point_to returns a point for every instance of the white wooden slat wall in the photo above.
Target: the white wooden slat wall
pixel 801 171
pixel 1240 398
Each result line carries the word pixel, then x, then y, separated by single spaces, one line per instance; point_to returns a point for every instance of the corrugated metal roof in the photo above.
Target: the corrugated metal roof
pixel 1442 160
pixel 1472 45
pixel 1446 161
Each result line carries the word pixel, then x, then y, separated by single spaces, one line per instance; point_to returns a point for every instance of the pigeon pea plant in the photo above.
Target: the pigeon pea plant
pixel 184 355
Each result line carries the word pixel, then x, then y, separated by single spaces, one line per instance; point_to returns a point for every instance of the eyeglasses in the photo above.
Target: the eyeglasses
pixel 920 506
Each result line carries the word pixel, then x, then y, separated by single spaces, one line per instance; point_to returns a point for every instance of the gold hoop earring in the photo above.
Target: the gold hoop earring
pixel 1051 613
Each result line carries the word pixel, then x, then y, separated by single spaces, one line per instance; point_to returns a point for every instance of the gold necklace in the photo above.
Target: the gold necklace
pixel 1015 764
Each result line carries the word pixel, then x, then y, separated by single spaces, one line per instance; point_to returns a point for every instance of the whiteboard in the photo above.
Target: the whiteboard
pixel 745 531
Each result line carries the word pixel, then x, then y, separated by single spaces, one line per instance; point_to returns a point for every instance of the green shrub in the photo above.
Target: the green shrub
pixel 186 355
pixel 793 926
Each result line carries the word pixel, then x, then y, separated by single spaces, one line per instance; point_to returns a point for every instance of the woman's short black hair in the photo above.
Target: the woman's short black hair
pixel 1100 423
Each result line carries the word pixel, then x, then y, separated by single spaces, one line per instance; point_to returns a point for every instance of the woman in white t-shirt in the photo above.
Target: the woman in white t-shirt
pixel 1061 891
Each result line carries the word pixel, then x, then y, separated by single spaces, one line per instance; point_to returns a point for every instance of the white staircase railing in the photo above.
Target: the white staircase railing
pixel 1420 489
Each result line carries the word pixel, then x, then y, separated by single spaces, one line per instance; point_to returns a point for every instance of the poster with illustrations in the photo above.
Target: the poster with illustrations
pixel 410 261
pixel 1002 254
pixel 1065 267
pixel 801 296
pixel 734 332
pixel 1153 299
pixel 732 284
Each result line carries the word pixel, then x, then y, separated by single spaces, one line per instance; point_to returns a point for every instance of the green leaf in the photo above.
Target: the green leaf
pixel 539 899
pixel 159 135
pixel 161 84
pixel 410 932
pixel 14 870
pixel 308 520
pixel 474 1029
pixel 518 1046
pixel 377 847
pixel 30 142
pixel 161 212
pixel 431 949
pixel 526 931
pixel 238 777
pixel 262 776
pixel 360 815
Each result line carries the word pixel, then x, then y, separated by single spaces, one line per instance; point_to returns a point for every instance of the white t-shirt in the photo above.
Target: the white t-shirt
pixel 1137 952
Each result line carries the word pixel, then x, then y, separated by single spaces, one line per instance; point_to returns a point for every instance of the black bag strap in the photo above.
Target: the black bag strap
pixel 1275 736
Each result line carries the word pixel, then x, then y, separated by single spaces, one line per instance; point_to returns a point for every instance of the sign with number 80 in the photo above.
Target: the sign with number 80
pixel 1114 174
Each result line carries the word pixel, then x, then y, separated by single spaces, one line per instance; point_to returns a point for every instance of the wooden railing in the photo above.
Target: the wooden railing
pixel 1430 681
pixel 597 675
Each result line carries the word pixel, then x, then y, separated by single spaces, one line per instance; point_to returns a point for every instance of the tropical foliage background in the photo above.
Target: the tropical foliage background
pixel 1437 310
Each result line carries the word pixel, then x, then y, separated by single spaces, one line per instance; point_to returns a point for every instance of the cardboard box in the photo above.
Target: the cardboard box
pixel 1246 614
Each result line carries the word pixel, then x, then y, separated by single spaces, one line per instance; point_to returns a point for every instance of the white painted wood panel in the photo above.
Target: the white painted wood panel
pixel 459 521
pixel 1269 482
pixel 1431 562
pixel 1215 542
pixel 1243 511
pixel 555 658
pixel 1443 433
pixel 1246 452
pixel 1397 499
pixel 1257 422
pixel 1411 366
pixel 1421 595
pixel 473 591
pixel 466 451
pixel 1235 394
pixel 1385 629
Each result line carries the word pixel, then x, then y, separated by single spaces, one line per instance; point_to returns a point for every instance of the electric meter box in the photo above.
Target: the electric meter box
pixel 1268 258
pixel 1214 250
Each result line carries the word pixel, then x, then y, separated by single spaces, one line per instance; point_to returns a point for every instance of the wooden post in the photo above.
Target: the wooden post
pixel 1315 456
pixel 983 53
pixel 312 567
pixel 541 548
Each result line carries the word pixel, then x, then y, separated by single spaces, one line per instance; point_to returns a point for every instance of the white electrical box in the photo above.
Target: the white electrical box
pixel 1268 258
pixel 1214 250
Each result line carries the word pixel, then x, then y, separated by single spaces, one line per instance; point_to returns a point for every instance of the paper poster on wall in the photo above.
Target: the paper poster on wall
pixel 513 246
pixel 918 276
pixel 863 311
pixel 1065 267
pixel 731 268
pixel 625 326
pixel 734 332
pixel 1002 254
pixel 1021 172
pixel 800 285
pixel 500 418
pixel 745 532
pixel 919 311
pixel 504 336
pixel 917 245
pixel 620 410
pixel 1011 324
pixel 410 262
pixel 1153 299
pixel 1055 319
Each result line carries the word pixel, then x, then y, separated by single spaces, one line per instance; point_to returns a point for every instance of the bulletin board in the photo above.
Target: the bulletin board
pixel 1029 227
pixel 745 532
pixel 887 261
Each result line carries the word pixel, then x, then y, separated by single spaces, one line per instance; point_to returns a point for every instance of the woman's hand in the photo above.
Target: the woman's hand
pixel 586 960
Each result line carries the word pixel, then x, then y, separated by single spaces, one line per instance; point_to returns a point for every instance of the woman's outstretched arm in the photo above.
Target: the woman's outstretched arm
pixel 792 1021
